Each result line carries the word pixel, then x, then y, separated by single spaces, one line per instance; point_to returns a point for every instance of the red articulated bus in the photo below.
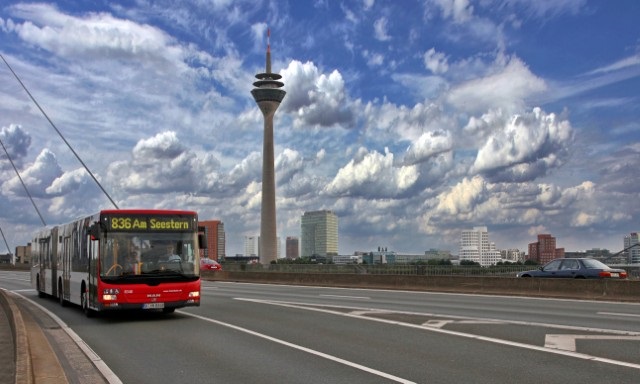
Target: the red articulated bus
pixel 121 259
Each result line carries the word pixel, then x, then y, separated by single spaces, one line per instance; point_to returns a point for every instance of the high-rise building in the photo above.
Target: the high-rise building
pixel 251 245
pixel 268 96
pixel 319 233
pixel 632 246
pixel 475 246
pixel 544 250
pixel 215 237
pixel 292 248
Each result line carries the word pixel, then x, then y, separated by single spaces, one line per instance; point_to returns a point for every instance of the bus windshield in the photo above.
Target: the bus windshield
pixel 145 254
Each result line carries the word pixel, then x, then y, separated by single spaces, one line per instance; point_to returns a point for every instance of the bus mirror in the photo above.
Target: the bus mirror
pixel 201 241
pixel 94 231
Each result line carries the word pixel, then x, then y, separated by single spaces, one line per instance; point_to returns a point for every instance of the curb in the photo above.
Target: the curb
pixel 24 373
pixel 36 362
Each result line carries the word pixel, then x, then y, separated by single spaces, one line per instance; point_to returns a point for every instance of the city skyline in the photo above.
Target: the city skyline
pixel 412 120
pixel 626 240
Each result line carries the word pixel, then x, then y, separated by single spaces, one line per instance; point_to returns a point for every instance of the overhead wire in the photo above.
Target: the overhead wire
pixel 59 133
pixel 5 241
pixel 23 184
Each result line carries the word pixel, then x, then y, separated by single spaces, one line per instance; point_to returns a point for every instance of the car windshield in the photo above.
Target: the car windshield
pixel 134 254
pixel 594 264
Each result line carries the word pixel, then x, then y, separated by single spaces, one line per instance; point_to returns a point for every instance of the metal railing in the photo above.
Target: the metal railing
pixel 398 269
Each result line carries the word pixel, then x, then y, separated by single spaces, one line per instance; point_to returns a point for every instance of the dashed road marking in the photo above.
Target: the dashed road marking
pixel 358 313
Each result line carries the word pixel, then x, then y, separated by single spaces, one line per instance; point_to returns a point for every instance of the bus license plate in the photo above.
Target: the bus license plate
pixel 153 306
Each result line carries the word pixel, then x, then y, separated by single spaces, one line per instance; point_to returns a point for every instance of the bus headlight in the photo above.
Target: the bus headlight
pixel 194 294
pixel 109 297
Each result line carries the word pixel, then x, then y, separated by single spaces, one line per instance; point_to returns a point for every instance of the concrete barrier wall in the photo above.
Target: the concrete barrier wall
pixel 612 290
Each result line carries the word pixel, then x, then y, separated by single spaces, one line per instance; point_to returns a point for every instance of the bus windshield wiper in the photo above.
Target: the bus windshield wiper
pixel 165 272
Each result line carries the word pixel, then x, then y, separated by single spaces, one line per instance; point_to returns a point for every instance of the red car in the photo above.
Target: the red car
pixel 210 264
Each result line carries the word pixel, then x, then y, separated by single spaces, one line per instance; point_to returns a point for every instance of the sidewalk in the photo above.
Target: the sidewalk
pixel 35 349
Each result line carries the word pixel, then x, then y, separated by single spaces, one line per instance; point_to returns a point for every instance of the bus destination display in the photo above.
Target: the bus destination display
pixel 148 223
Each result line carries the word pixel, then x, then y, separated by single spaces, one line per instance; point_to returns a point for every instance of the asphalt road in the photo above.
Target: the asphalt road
pixel 250 333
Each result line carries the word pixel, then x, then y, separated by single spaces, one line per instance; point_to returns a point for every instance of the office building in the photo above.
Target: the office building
pixel 513 255
pixel 319 234
pixel 475 246
pixel 251 245
pixel 292 248
pixel 215 238
pixel 544 250
pixel 23 254
pixel 632 246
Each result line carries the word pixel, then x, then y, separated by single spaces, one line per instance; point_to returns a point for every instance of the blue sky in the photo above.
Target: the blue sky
pixel 411 120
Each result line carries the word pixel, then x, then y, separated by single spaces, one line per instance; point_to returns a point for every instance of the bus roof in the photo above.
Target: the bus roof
pixel 146 212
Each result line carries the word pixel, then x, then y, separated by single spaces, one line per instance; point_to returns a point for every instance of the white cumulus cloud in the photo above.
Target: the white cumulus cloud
pixel 507 88
pixel 374 174
pixel 525 148
pixel 436 62
pixel 316 99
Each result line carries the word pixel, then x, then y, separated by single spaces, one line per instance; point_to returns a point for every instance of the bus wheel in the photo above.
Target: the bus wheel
pixel 61 295
pixel 85 303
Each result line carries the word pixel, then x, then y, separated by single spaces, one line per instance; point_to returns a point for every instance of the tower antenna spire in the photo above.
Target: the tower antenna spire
pixel 268 69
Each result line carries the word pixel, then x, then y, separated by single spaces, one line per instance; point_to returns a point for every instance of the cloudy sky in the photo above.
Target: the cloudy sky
pixel 412 120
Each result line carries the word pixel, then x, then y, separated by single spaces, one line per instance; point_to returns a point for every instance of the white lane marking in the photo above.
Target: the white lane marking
pixel 365 310
pixel 91 355
pixel 442 323
pixel 301 348
pixel 437 323
pixel 368 312
pixel 434 293
pixel 347 297
pixel 618 314
pixel 5 277
pixel 568 342
pixel 576 355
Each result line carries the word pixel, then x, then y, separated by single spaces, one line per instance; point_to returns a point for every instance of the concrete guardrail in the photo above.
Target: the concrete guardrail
pixel 597 289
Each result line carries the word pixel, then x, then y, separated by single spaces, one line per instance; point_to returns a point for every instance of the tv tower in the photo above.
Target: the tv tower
pixel 268 96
